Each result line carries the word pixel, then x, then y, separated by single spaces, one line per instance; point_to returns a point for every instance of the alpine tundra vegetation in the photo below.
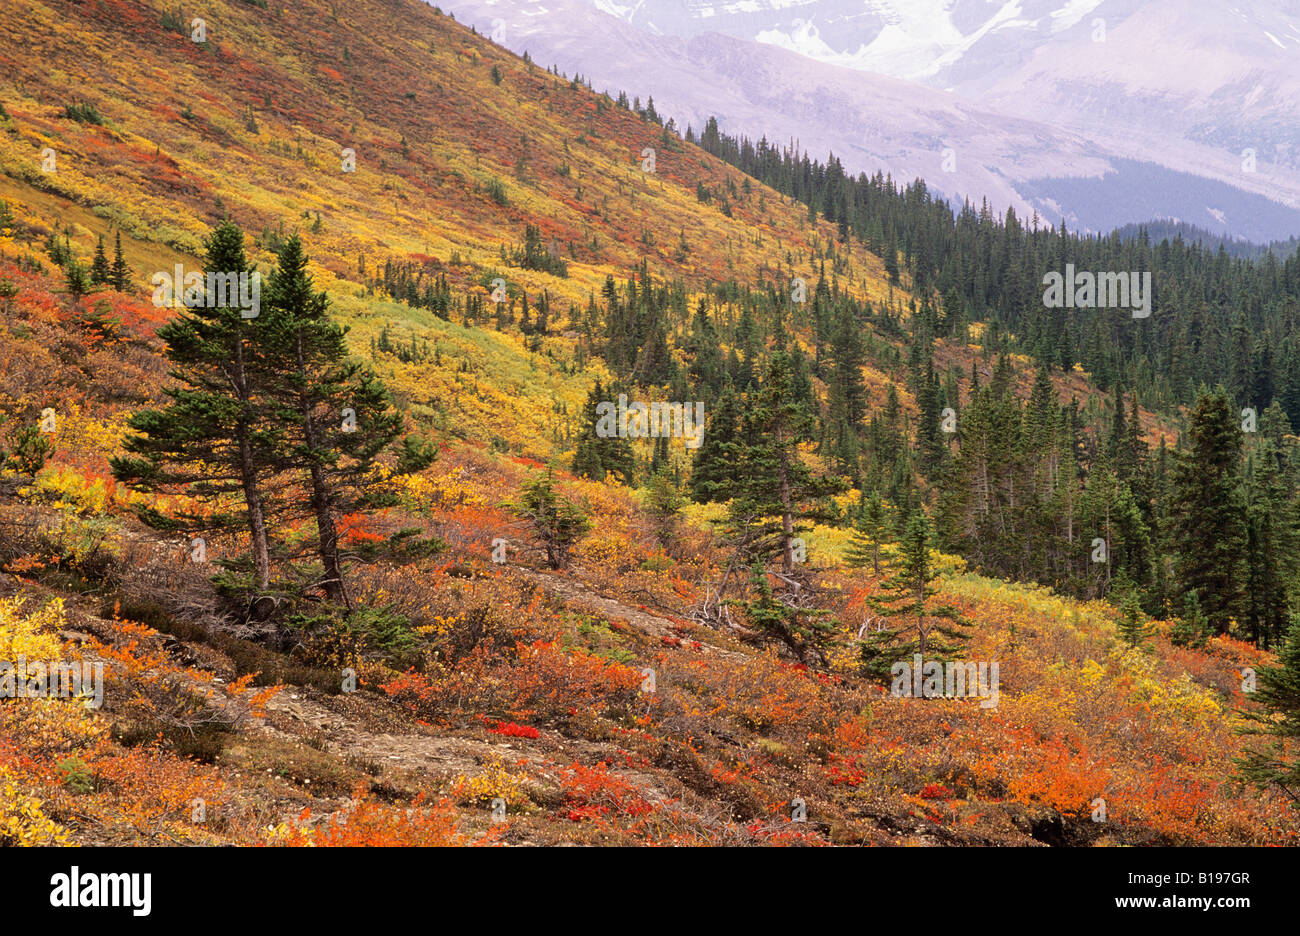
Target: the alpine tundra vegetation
pixel 423 469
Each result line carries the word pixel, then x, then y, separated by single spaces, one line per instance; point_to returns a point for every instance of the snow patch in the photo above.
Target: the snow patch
pixel 1070 14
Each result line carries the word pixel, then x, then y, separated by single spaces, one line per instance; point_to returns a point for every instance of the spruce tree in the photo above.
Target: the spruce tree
pixel 557 523
pixel 596 457
pixel 1278 693
pixel 712 470
pixel 214 441
pixel 119 273
pixel 1270 544
pixel 338 418
pixel 799 629
pixel 913 623
pixel 774 490
pixel 663 502
pixel 870 533
pixel 1124 596
pixel 1209 514
pixel 707 367
pixel 24 449
pixel 100 272
pixel 76 279
pixel 1191 629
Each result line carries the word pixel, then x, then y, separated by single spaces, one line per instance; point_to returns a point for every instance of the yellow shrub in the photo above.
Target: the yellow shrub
pixel 21 820
pixel 42 725
pixel 495 781
pixel 33 635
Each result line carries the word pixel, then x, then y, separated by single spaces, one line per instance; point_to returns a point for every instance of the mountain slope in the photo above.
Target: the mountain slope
pixel 519 710
pixel 451 168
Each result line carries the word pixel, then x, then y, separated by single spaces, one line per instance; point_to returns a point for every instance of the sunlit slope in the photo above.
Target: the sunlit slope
pixel 457 144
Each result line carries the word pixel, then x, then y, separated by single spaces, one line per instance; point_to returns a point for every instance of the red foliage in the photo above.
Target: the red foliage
pixel 514 730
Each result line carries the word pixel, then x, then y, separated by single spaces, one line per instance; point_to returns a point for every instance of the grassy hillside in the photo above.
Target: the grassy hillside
pixel 512 687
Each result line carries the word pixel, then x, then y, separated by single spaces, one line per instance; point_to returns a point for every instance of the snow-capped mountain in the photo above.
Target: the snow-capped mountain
pixel 1221 72
pixel 1098 111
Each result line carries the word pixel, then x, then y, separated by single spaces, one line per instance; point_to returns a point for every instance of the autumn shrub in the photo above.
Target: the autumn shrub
pixel 83 112
pixel 512 730
pixel 594 792
pixel 157 697
pixel 150 790
pixel 540 681
pixel 450 639
pixel 248 658
pixel 45 725
pixel 337 637
pixel 86 545
pixel 22 819
pixel 493 781
pixel 370 823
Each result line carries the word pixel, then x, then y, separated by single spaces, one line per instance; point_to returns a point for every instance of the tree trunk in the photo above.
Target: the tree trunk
pixel 248 479
pixel 328 537
pixel 256 514
pixel 326 529
pixel 787 524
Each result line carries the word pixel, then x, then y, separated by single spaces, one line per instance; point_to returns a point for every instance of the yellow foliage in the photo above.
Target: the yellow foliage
pixel 22 822
pixel 45 724
pixel 31 635
pixel 451 489
pixel 495 781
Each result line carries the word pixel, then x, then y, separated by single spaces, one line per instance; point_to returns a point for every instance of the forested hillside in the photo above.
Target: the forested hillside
pixel 325 335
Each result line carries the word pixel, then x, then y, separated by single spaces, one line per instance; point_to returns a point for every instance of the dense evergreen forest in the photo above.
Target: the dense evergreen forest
pixel 1216 319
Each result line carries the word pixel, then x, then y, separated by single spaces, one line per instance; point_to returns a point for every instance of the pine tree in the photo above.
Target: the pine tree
pixel 214 441
pixel 929 441
pixel 914 624
pixel 712 469
pixel 78 283
pixel 1270 543
pixel 848 392
pixel 870 533
pixel 797 628
pixel 1208 510
pixel 774 491
pixel 119 273
pixel 23 452
pixel 598 456
pixel 663 502
pixel 1132 625
pixel 338 417
pixel 100 272
pixel 1279 695
pixel 558 523
pixel 1191 629
pixel 707 367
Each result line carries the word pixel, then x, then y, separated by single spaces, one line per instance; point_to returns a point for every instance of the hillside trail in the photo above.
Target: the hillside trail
pixel 637 616
pixel 348 725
